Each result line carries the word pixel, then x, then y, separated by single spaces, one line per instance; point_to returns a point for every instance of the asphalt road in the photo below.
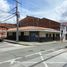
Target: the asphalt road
pixel 14 55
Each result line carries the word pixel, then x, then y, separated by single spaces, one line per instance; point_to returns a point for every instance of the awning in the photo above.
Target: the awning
pixel 33 28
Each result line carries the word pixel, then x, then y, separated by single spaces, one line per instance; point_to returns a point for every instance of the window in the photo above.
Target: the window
pixel 42 34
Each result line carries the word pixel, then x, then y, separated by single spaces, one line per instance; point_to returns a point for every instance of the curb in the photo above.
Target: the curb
pixel 14 42
pixel 11 42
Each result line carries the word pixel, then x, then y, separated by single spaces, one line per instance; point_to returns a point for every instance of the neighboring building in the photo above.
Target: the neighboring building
pixel 36 29
pixel 63 29
pixel 3 32
pixel 8 25
pixel 3 29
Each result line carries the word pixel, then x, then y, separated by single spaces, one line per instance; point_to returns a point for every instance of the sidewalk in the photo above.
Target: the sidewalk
pixel 14 42
pixel 34 43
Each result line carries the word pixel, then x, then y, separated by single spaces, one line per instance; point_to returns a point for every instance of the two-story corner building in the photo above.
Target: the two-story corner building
pixel 36 29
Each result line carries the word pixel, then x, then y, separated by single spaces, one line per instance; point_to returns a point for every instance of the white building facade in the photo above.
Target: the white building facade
pixel 63 32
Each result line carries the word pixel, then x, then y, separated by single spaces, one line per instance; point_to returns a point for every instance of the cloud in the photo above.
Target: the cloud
pixel 62 11
pixel 62 8
pixel 5 7
pixel 52 11
pixel 51 14
pixel 57 13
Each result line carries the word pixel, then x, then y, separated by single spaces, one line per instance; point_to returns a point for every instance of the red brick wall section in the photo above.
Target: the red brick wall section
pixel 3 32
pixel 33 21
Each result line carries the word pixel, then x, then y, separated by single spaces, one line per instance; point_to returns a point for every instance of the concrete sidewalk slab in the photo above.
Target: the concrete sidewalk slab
pixel 35 43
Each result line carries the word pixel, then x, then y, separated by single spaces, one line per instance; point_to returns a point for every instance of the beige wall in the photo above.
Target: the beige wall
pixel 42 34
pixel 51 34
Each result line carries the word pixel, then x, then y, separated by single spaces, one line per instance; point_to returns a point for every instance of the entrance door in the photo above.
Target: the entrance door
pixel 33 36
pixel 53 36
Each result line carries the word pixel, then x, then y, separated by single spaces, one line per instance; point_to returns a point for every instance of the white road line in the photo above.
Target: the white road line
pixel 31 55
pixel 43 59
pixel 11 60
pixel 46 51
pixel 38 52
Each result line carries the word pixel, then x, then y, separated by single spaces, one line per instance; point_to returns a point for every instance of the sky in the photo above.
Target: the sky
pixel 51 9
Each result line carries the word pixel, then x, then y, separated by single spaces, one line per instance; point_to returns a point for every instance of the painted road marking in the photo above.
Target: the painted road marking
pixel 38 52
pixel 44 51
pixel 43 59
pixel 11 60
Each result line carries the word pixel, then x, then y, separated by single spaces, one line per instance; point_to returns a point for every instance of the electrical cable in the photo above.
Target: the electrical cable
pixel 8 18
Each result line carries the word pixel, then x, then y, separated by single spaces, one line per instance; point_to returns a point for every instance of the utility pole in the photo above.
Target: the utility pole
pixel 17 22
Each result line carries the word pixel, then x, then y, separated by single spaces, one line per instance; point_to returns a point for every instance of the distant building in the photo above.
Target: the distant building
pixel 3 29
pixel 7 25
pixel 63 29
pixel 36 29
pixel 3 32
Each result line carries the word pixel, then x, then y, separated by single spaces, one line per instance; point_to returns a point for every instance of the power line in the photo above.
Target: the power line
pixel 5 12
pixel 8 18
pixel 9 15
pixel 12 10
pixel 8 11
pixel 19 2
